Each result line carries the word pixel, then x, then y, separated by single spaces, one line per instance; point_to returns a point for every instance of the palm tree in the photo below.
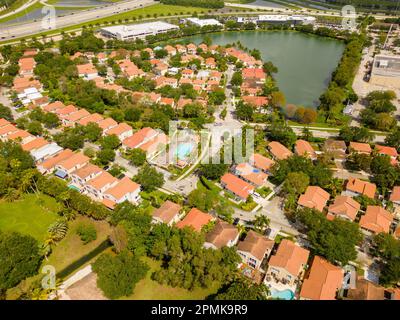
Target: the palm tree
pixel 261 222
pixel 58 229
pixel 12 195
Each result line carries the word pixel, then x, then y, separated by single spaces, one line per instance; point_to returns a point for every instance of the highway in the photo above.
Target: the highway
pixel 31 28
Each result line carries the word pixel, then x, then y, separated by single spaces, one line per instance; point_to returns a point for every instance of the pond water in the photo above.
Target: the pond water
pixel 305 62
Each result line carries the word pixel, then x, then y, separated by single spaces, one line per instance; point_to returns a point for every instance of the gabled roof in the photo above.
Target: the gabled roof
pixel 376 219
pixel 102 180
pixel 323 281
pixel 261 162
pixel 366 290
pixel 123 187
pixel 236 185
pixel 35 144
pixel 360 147
pixel 279 151
pixel 74 160
pixel 167 211
pixel 221 234
pixel 314 198
pixel 390 151
pixel 87 171
pixel 140 137
pixel 107 123
pixel 395 195
pixel 119 129
pixel 95 117
pixel 195 219
pixel 251 174
pixel 52 162
pixel 344 206
pixel 304 148
pixel 256 245
pixel 290 257
pixel 362 187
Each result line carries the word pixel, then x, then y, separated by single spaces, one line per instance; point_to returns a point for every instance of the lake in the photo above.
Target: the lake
pixel 305 62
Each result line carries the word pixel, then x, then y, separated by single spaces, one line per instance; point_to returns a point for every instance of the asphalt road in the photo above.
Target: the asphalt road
pixel 32 28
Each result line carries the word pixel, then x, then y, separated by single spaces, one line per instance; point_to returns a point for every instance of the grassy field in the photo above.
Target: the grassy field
pixel 148 289
pixel 71 248
pixel 31 215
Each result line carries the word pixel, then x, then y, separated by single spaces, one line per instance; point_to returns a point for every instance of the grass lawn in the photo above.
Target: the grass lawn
pixel 71 248
pixel 31 215
pixel 147 289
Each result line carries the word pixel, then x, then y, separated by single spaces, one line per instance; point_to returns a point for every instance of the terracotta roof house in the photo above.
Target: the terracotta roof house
pixel 376 220
pixel 72 163
pixel 22 136
pixel 288 263
pixel 162 81
pixel 263 163
pixel 336 147
pixel 195 219
pixel 62 112
pixel 322 282
pixel 170 49
pixel 304 148
pixel 395 195
pixel 222 235
pixel 238 187
pixel 356 187
pixel 87 71
pixel 257 74
pixel 49 165
pixel 344 207
pixel 26 66
pixel 139 138
pixel 366 290
pixel 255 101
pixel 72 118
pixel 98 185
pixel 107 124
pixel 93 118
pixel 81 176
pixel 7 130
pixel 168 213
pixel 389 151
pixel 279 151
pixel 314 198
pixel 35 144
pixel 358 147
pixel 3 122
pixel 254 249
pixel 122 131
pixel 54 106
pixel 124 190
pixel 250 174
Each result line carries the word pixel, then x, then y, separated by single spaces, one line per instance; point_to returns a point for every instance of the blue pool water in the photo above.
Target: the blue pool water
pixel 183 150
pixel 284 294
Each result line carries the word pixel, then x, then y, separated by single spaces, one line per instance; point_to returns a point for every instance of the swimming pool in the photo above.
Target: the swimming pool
pixel 183 150
pixel 283 295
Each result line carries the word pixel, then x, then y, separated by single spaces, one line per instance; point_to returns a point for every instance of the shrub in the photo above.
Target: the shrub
pixel 87 232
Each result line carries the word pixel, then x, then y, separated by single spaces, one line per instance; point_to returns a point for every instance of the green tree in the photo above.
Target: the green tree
pixel 104 156
pixel 19 258
pixel 296 183
pixel 137 156
pixel 118 275
pixel 261 222
pixel 243 289
pixel 93 131
pixel 110 142
pixel 213 171
pixel 149 178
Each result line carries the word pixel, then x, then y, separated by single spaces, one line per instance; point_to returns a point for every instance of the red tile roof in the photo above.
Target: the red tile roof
pixel 376 219
pixel 195 219
pixel 236 185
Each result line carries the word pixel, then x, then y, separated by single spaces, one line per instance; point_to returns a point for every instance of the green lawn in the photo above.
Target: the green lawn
pixel 22 13
pixel 31 215
pixel 71 248
pixel 148 289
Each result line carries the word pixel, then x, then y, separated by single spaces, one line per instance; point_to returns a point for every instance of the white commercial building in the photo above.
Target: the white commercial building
pixel 134 31
pixel 296 19
pixel 204 22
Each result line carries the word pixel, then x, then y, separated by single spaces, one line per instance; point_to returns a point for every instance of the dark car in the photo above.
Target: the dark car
pixel 236 221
